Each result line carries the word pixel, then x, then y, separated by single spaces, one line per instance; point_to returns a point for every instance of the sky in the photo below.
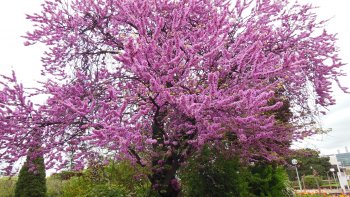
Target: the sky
pixel 26 62
pixel 338 117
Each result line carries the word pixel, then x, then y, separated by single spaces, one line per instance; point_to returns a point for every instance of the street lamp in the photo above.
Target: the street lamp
pixel 295 162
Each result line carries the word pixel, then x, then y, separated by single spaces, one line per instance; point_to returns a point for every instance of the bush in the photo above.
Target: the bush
pixel 54 186
pixel 269 181
pixel 312 181
pixel 32 181
pixel 213 174
pixel 76 186
pixel 66 175
pixel 115 179
pixel 81 186
pixel 7 186
pixel 107 191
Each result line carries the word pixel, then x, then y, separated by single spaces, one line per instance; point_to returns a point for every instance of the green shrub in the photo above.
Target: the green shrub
pixel 7 186
pixel 76 186
pixel 32 183
pixel 54 186
pixel 143 190
pixel 107 191
pixel 115 179
pixel 123 173
pixel 66 175
pixel 268 181
pixel 312 181
pixel 82 186
pixel 213 174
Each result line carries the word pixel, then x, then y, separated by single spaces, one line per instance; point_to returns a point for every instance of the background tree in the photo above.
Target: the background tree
pixel 212 173
pixel 216 173
pixel 32 178
pixel 154 81
pixel 308 158
pixel 268 180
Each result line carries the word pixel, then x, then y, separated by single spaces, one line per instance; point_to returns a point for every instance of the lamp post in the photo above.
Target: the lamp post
pixel 295 162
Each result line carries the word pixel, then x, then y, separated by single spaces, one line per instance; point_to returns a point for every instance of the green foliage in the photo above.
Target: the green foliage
pixel 214 174
pixel 308 158
pixel 107 191
pixel 66 175
pixel 32 179
pixel 268 181
pixel 211 174
pixel 76 186
pixel 54 186
pixel 122 173
pixel 7 186
pixel 80 186
pixel 116 179
pixel 312 181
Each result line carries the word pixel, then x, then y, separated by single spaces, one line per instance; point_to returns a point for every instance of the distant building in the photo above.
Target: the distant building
pixel 344 159
pixel 332 159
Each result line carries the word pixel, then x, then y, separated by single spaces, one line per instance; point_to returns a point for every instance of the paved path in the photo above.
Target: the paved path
pixel 324 191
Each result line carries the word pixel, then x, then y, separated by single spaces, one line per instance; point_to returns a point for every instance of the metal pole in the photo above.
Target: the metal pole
pixel 314 173
pixel 329 181
pixel 335 180
pixel 296 170
pixel 318 185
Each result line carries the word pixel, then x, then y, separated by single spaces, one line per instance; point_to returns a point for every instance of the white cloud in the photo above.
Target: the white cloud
pixel 338 117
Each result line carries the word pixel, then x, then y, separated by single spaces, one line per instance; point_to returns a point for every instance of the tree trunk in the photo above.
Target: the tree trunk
pixel 164 170
pixel 164 181
pixel 164 164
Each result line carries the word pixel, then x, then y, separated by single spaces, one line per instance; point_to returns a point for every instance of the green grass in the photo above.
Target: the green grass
pixel 331 185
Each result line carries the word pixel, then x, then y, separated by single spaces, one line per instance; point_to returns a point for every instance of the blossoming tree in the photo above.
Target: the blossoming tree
pixel 152 81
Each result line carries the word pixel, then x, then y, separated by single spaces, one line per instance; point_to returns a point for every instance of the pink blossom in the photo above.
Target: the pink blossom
pixel 153 80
